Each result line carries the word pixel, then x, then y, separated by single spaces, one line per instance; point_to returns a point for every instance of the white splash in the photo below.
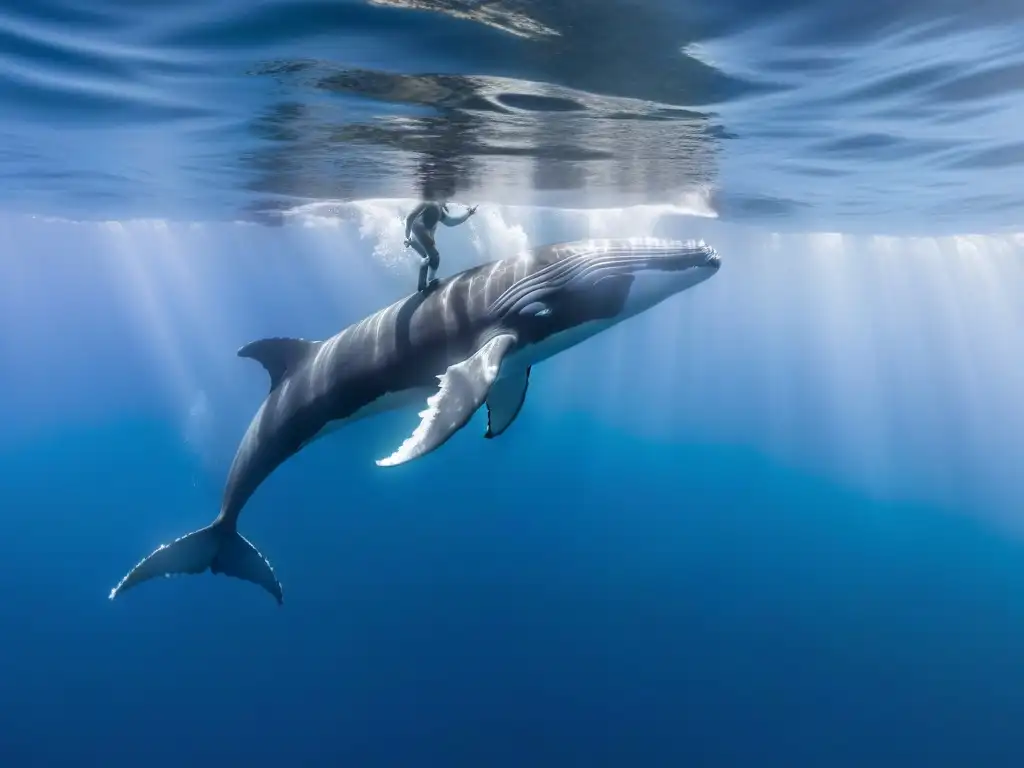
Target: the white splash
pixel 495 232
pixel 498 234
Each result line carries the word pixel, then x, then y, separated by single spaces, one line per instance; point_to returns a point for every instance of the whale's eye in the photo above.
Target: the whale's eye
pixel 536 309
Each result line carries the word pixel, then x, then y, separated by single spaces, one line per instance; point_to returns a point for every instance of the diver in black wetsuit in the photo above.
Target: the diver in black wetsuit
pixel 419 234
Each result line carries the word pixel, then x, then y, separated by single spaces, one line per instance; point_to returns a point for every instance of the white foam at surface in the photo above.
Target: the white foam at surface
pixel 495 232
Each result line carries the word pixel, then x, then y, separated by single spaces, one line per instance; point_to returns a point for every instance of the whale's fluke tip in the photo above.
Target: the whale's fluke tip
pixel 217 548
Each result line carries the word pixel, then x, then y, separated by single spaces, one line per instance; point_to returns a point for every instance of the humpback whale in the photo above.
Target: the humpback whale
pixel 471 341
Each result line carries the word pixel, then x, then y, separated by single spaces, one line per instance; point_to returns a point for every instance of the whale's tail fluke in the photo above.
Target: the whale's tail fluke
pixel 218 548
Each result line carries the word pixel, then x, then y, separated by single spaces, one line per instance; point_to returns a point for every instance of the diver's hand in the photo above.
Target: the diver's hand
pixel 407 242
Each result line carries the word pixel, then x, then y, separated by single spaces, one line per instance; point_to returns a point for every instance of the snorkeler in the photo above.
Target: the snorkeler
pixel 419 234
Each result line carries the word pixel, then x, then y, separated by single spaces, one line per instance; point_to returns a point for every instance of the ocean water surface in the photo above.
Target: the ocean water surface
pixel 775 520
pixel 823 115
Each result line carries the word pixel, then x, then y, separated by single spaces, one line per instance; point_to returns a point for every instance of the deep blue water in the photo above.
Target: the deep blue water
pixel 775 521
pixel 776 619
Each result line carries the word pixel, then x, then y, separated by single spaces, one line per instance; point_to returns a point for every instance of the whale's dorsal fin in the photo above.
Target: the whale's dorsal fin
pixel 279 355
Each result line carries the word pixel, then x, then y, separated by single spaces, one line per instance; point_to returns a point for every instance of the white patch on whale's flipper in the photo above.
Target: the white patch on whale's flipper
pixel 464 387
pixel 505 401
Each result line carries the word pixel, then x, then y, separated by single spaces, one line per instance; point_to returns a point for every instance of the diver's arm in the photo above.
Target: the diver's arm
pixel 453 221
pixel 412 217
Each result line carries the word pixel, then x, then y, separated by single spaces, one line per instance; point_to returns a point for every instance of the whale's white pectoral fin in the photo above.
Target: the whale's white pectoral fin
pixel 464 387
pixel 505 401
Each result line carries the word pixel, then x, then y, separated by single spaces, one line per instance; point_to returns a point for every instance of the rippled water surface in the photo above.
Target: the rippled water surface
pixel 829 114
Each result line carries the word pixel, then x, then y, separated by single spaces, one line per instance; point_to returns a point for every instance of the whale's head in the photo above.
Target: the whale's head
pixel 597 283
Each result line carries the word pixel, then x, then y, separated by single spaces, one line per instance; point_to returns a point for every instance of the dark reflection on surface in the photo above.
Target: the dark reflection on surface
pixel 382 134
pixel 511 16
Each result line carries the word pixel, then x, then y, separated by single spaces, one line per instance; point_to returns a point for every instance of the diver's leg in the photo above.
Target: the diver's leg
pixel 422 285
pixel 431 258
pixel 418 241
pixel 432 264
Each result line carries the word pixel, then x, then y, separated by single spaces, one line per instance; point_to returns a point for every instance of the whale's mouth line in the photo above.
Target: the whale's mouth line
pixel 581 259
pixel 663 249
pixel 681 255
pixel 678 261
